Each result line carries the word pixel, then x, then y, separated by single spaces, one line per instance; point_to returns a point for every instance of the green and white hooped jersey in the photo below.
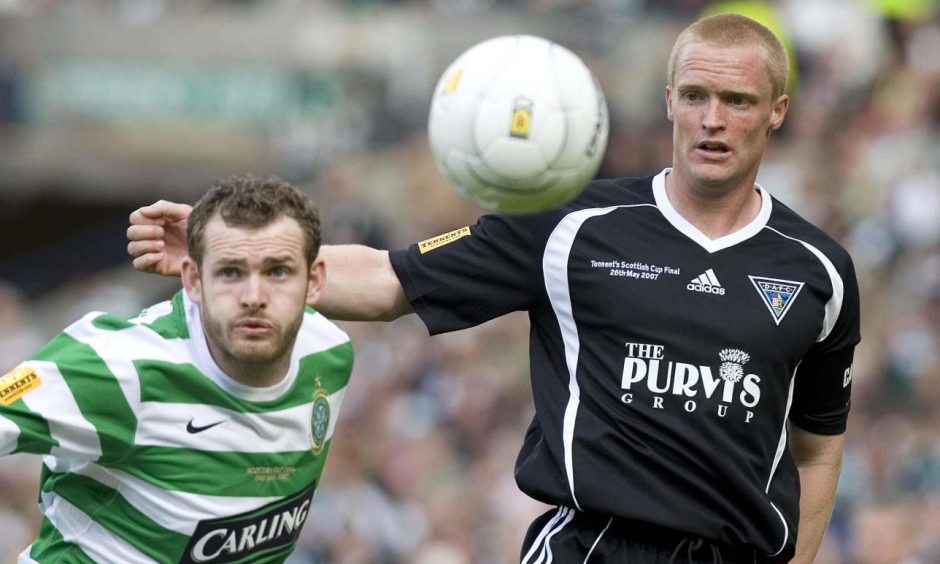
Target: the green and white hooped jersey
pixel 153 454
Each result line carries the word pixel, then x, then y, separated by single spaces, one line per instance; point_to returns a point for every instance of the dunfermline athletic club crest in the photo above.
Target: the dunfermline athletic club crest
pixel 319 419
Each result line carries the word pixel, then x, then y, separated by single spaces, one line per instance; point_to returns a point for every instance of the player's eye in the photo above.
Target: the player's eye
pixel 229 272
pixel 279 272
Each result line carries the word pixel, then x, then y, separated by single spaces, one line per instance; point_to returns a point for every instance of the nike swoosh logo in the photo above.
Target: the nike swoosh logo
pixel 193 429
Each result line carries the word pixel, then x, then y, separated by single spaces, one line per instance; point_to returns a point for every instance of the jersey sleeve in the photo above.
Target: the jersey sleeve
pixel 469 276
pixel 64 401
pixel 822 392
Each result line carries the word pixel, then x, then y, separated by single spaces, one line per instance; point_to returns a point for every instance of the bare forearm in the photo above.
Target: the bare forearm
pixel 360 285
pixel 819 467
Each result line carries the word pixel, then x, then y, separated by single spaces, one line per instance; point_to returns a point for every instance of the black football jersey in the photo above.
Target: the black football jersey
pixel 664 365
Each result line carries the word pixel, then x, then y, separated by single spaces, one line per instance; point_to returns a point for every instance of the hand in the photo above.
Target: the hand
pixel 157 237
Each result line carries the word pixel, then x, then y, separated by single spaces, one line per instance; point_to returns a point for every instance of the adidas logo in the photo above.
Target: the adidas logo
pixel 706 282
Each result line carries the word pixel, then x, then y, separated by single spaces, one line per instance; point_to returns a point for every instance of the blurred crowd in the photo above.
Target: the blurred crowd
pixel 421 471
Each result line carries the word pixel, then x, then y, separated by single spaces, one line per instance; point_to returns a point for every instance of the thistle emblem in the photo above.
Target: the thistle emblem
pixel 732 364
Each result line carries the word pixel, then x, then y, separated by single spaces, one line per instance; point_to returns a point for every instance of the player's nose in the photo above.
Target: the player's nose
pixel 253 294
pixel 714 117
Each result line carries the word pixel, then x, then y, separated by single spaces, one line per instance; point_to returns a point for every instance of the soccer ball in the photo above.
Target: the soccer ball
pixel 518 124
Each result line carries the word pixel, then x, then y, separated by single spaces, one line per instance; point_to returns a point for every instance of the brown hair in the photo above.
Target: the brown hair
pixel 727 30
pixel 253 202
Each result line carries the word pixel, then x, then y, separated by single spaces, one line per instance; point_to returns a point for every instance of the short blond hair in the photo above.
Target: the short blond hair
pixel 732 30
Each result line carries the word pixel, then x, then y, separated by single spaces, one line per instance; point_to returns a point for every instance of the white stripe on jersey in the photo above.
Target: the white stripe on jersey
pixel 164 424
pixel 9 434
pixel 555 268
pixel 834 305
pixel 598 540
pixel 174 510
pixel 318 334
pixel 786 530
pixel 77 527
pixel 781 448
pixel 75 434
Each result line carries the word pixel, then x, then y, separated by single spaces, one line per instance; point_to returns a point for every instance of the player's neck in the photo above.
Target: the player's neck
pixel 714 212
pixel 256 375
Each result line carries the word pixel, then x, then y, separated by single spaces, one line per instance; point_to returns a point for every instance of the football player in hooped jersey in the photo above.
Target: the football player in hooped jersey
pixel 197 430
pixel 692 337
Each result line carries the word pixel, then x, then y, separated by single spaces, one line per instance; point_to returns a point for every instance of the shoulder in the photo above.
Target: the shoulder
pixel 787 223
pixel 151 320
pixel 621 191
pixel 317 333
pixel 511 238
pixel 159 327
pixel 167 319
pixel 597 194
pixel 322 344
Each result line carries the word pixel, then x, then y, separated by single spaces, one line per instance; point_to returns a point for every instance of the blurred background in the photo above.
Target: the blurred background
pixel 107 105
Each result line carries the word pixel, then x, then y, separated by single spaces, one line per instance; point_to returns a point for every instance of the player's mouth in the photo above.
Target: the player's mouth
pixel 254 327
pixel 713 149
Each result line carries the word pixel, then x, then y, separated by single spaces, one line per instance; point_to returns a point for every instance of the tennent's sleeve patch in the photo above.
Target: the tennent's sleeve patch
pixel 441 240
pixel 15 384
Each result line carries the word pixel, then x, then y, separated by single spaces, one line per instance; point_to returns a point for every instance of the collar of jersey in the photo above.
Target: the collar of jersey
pixel 208 366
pixel 692 232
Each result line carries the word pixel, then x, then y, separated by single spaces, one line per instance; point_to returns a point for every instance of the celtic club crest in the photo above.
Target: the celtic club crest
pixel 319 421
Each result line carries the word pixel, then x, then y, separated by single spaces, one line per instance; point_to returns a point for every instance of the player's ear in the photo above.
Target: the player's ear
pixel 668 103
pixel 779 112
pixel 192 281
pixel 316 281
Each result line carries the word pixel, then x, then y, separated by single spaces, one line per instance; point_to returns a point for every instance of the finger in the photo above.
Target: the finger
pixel 147 262
pixel 164 210
pixel 141 217
pixel 145 233
pixel 142 248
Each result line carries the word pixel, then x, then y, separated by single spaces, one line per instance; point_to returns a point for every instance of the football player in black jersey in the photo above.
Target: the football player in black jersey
pixel 692 337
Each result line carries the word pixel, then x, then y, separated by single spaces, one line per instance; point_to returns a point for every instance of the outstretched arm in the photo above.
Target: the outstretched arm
pixel 361 285
pixel 819 460
pixel 360 282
